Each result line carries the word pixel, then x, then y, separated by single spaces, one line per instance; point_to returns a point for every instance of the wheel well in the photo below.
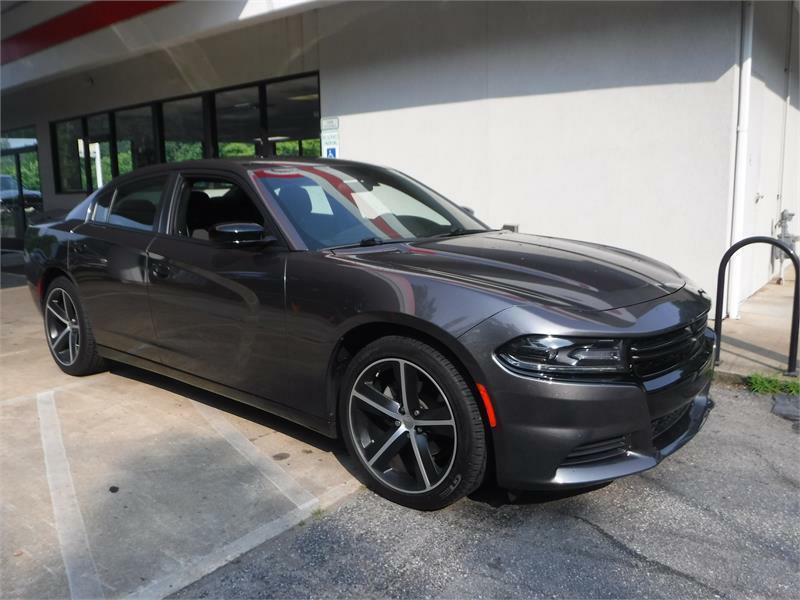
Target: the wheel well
pixel 47 278
pixel 359 337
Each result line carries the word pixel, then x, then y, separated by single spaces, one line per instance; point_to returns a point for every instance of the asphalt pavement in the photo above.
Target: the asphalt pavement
pixel 717 519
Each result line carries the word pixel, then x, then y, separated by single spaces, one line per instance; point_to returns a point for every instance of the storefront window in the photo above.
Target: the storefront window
pixel 183 129
pixel 69 146
pixel 136 145
pixel 238 122
pixel 99 135
pixel 293 116
pixel 283 114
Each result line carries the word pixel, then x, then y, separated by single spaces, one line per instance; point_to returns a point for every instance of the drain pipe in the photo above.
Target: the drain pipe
pixel 740 165
pixel 784 218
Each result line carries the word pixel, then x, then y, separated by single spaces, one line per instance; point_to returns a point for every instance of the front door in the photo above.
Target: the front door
pixel 219 310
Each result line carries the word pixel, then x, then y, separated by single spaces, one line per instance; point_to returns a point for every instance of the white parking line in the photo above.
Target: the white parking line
pixel 269 469
pixel 75 550
pixel 194 570
pixel 58 388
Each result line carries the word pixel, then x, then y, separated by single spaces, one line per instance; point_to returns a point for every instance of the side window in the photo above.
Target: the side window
pixel 206 202
pixel 136 204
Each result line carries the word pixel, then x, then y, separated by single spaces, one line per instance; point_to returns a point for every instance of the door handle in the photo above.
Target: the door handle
pixel 160 270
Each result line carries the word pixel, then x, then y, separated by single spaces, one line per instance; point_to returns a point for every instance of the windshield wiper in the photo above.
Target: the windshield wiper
pixel 462 231
pixel 370 241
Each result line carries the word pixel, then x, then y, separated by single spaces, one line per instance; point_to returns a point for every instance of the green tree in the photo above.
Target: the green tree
pixel 178 151
pixel 237 149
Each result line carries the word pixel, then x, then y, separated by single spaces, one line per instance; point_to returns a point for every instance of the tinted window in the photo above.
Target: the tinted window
pixel 293 116
pixel 80 212
pixel 99 149
pixel 100 211
pixel 238 121
pixel 136 205
pixel 183 129
pixel 136 146
pixel 69 153
pixel 208 202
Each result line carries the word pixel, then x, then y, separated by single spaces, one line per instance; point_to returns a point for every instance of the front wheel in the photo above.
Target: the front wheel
pixel 411 422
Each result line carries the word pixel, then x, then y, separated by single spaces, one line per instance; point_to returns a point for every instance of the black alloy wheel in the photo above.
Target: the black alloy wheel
pixel 413 424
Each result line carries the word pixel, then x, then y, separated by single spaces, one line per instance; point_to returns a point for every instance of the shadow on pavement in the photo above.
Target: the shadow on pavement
pixel 234 407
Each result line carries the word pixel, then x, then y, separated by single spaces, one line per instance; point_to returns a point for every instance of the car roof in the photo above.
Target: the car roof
pixel 237 164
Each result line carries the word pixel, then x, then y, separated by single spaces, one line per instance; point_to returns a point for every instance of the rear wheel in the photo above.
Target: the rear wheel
pixel 412 424
pixel 69 336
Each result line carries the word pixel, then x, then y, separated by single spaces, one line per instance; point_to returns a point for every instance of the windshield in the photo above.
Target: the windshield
pixel 351 204
pixel 9 183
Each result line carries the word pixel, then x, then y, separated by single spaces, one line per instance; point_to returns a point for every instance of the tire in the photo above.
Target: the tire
pixel 405 456
pixel 67 331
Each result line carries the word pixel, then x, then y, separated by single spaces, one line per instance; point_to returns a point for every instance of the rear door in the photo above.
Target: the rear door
pixel 219 310
pixel 109 263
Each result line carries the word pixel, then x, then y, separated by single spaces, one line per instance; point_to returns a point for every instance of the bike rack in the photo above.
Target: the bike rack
pixel 760 239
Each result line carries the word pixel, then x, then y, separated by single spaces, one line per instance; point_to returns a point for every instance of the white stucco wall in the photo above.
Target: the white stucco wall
pixel 605 123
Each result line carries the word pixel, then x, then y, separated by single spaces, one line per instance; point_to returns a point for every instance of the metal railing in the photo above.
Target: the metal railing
pixel 759 239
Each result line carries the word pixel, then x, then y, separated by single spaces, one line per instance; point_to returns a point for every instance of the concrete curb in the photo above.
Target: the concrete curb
pixel 721 376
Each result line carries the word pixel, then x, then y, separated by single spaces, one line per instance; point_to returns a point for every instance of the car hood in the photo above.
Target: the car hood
pixel 556 272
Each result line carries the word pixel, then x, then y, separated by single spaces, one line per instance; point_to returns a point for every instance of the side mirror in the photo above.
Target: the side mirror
pixel 468 210
pixel 239 234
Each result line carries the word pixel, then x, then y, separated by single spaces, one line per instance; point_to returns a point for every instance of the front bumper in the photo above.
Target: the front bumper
pixel 556 434
pixel 580 434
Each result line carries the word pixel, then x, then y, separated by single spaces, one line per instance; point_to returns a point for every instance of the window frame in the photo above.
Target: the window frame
pixel 210 137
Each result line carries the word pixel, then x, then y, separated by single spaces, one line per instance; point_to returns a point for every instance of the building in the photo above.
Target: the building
pixel 671 129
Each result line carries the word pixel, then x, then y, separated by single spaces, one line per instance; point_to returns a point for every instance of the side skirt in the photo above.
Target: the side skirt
pixel 317 424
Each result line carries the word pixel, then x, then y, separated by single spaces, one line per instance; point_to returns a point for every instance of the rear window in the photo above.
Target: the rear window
pixel 135 205
pixel 81 211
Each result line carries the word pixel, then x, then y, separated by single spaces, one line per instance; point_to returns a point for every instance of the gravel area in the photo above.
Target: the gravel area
pixel 717 519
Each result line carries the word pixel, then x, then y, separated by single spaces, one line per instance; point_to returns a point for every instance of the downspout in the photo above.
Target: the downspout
pixel 740 166
pixel 786 105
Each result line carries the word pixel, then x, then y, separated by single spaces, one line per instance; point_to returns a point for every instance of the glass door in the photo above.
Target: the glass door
pixel 20 186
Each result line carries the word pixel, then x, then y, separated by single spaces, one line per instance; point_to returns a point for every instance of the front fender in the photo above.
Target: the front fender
pixel 328 296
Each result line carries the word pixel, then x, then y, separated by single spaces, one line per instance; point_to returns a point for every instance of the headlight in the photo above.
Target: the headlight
pixel 548 355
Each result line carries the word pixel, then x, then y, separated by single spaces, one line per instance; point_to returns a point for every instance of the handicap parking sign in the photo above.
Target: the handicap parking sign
pixel 330 143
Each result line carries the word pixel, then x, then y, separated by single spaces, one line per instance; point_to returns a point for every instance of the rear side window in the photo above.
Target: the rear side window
pixel 136 204
pixel 81 211
pixel 100 210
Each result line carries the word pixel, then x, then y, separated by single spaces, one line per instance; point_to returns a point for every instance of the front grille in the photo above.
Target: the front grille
pixel 598 451
pixel 653 356
pixel 664 423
